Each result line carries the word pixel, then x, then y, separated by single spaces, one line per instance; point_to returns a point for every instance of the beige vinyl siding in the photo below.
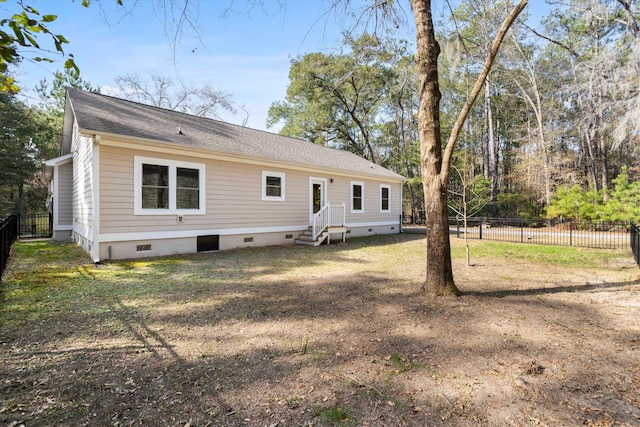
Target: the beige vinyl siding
pixel 116 190
pixel 233 196
pixel 340 191
pixel 83 201
pixel 64 193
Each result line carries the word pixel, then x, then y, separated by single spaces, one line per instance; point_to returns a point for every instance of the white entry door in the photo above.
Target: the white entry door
pixel 317 195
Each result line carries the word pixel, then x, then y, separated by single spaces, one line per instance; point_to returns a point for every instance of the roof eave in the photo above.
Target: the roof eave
pixel 67 126
pixel 224 155
pixel 49 165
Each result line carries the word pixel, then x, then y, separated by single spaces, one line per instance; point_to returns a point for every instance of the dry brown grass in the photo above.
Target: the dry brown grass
pixel 338 335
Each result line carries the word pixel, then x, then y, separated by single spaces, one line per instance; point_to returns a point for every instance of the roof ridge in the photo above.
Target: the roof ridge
pixel 118 99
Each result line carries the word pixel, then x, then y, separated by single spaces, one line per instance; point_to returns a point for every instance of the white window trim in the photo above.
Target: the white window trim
pixel 388 187
pixel 280 175
pixel 361 184
pixel 173 165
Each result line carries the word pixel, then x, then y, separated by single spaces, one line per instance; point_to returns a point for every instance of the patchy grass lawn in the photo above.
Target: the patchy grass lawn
pixel 337 335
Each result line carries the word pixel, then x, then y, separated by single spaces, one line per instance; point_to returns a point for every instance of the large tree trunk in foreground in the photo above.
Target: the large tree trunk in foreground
pixel 439 270
pixel 435 165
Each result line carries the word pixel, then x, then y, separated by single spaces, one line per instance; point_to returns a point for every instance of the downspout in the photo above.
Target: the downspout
pixel 55 195
pixel 95 183
pixel 401 207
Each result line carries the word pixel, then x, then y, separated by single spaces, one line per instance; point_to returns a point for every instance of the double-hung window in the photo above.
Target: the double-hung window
pixel 385 191
pixel 168 187
pixel 155 186
pixel 357 197
pixel 187 188
pixel 273 186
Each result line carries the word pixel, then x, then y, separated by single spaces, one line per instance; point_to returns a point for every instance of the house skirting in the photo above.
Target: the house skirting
pixel 118 247
pixel 62 235
pixel 361 230
pixel 144 248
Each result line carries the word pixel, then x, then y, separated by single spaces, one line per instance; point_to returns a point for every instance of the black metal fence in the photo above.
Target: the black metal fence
pixel 29 226
pixel 416 218
pixel 603 234
pixel 8 235
pixel 35 226
pixel 635 242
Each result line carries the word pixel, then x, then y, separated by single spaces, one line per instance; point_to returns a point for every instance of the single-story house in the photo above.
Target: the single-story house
pixel 137 181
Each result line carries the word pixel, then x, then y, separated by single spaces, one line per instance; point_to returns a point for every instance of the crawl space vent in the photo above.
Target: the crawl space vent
pixel 209 243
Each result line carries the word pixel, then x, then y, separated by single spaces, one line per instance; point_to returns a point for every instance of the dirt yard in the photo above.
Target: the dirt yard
pixel 338 335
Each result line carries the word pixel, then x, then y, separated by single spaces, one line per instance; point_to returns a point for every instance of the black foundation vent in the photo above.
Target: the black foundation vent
pixel 209 243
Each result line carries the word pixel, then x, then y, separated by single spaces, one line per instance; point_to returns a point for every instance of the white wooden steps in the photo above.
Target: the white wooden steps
pixel 306 237
pixel 329 219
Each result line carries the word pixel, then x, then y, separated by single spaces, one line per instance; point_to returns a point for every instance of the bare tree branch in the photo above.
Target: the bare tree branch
pixel 376 14
pixel 542 36
pixel 455 24
pixel 202 101
pixel 631 20
pixel 493 52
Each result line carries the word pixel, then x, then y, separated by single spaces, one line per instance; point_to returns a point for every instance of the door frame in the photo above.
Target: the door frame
pixel 323 193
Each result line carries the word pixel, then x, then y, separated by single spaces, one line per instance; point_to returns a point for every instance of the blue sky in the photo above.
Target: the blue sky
pixel 243 52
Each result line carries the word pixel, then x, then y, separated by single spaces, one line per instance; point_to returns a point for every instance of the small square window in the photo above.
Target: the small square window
pixel 273 186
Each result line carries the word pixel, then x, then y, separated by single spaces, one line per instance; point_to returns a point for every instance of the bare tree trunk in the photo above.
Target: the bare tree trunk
pixel 491 147
pixel 535 102
pixel 587 139
pixel 434 165
pixel 365 136
pixel 602 144
pixel 604 164
pixel 21 200
pixel 439 271
pixel 592 160
pixel 485 151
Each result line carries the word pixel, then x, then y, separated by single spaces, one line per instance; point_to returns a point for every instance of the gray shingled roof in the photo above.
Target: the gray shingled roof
pixel 105 114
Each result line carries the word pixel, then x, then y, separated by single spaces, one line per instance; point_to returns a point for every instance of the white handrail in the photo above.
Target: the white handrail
pixel 328 216
pixel 337 215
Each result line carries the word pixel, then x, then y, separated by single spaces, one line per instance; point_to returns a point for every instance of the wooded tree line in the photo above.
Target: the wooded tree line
pixel 30 135
pixel 560 108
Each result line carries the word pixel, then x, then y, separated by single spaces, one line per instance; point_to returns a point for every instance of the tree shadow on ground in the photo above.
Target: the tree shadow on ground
pixel 587 287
